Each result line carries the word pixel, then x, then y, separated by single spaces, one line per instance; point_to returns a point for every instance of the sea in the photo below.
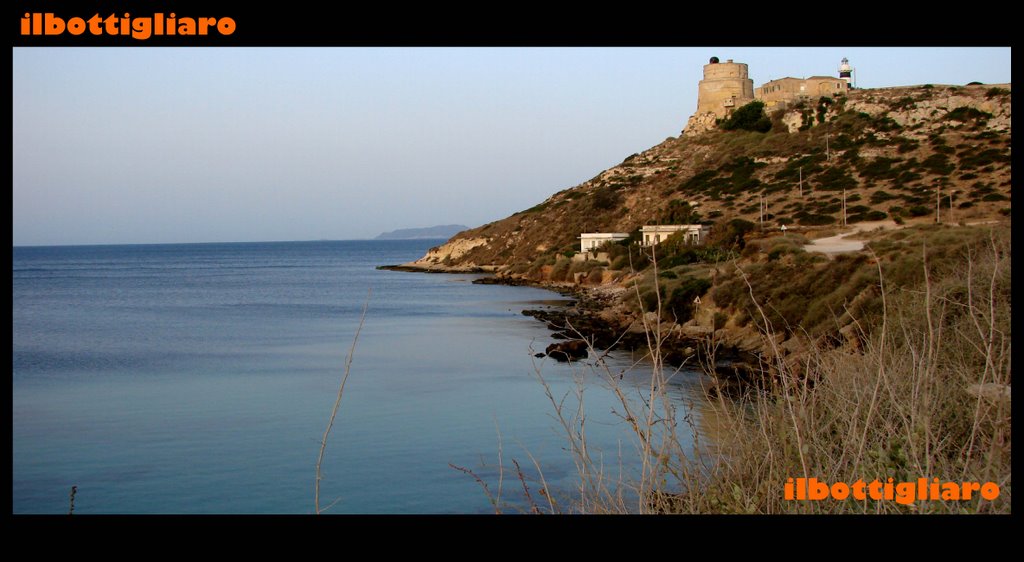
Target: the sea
pixel 200 379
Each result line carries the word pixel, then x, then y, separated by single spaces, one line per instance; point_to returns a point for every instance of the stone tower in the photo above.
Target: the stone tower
pixel 724 88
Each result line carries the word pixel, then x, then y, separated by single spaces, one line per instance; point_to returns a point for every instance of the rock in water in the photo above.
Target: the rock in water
pixel 567 350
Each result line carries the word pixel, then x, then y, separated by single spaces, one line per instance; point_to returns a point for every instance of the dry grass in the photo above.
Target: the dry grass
pixel 334 410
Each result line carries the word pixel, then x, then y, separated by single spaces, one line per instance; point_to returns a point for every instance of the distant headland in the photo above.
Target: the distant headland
pixel 440 231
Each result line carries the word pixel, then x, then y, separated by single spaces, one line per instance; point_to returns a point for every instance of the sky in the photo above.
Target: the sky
pixel 173 145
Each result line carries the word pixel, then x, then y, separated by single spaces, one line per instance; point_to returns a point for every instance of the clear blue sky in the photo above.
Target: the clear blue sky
pixel 152 145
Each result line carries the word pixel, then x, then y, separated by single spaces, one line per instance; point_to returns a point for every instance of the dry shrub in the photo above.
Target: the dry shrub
pixel 906 405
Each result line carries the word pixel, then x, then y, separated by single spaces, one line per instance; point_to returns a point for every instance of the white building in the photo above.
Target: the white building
pixel 590 241
pixel 656 234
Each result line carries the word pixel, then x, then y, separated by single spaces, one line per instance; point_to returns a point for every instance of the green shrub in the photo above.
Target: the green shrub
pixel 880 196
pixel 605 198
pixel 810 165
pixel 907 146
pixel 750 117
pixel 701 182
pixel 730 235
pixel 905 102
pixel 810 219
pixel 983 158
pixel 937 164
pixel 822 108
pixel 879 168
pixel 965 114
pixel 649 299
pixel 679 212
pixel 835 179
pixel 886 124
pixel 680 305
pixel 718 320
pixel 560 269
pixel 919 211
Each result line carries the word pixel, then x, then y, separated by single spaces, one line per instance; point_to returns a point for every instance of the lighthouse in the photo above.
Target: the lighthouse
pixel 846 72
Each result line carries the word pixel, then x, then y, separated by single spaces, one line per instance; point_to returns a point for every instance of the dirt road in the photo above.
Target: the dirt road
pixel 840 243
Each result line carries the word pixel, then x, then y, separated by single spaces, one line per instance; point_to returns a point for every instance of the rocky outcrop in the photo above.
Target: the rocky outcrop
pixel 699 123
pixel 924 109
pixel 567 350
pixel 447 256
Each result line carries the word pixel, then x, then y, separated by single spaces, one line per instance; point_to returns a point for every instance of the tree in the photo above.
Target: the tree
pixel 730 235
pixel 605 198
pixel 679 212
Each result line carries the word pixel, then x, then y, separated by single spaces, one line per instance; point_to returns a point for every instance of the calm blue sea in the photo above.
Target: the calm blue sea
pixel 199 378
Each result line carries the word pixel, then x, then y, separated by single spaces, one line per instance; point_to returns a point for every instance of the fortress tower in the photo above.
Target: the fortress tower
pixel 724 88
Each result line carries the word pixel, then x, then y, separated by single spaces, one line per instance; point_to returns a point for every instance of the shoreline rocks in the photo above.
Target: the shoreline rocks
pixel 596 317
pixel 570 350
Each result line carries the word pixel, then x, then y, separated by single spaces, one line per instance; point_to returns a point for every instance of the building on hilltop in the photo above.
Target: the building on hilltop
pixel 590 241
pixel 656 234
pixel 725 87
pixel 846 71
pixel 784 91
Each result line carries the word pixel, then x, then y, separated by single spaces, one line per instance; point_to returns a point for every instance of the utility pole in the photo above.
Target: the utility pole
pixel 844 206
pixel 801 184
pixel 938 195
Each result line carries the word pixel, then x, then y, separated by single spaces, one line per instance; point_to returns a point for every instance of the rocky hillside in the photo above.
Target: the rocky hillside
pixel 888 149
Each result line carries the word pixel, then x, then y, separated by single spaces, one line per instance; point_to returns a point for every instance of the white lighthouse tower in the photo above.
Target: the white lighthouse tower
pixel 846 72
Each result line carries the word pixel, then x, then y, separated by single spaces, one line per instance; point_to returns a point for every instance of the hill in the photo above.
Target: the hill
pixel 888 149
